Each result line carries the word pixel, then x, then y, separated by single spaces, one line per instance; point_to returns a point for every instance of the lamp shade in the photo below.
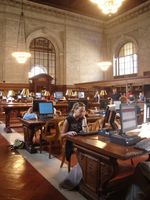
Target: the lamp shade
pixel 25 92
pixel 103 93
pixel 10 93
pixel 46 93
pixel 104 65
pixel 21 54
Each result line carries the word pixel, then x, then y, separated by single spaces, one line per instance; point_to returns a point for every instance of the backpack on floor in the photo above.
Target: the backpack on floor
pixel 18 144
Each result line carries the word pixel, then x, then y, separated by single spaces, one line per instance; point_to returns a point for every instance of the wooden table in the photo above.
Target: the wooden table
pixel 10 107
pixel 30 127
pixel 98 157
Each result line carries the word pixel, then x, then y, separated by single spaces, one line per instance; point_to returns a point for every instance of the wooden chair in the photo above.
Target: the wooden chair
pixel 95 126
pixel 63 143
pixel 51 137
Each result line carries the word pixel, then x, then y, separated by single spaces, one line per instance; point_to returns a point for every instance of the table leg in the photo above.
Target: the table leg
pixel 7 128
pixel 28 138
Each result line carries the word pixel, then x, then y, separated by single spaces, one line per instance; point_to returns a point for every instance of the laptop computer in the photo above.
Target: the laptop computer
pixel 46 110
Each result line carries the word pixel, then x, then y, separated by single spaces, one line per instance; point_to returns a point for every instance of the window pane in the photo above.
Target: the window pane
pixel 127 60
pixel 43 57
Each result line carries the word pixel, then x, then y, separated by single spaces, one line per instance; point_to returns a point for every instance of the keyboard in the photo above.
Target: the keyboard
pixel 44 118
pixel 82 133
pixel 143 144
pixel 124 139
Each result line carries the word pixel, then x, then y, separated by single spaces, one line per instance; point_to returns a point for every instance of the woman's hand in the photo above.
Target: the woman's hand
pixel 72 133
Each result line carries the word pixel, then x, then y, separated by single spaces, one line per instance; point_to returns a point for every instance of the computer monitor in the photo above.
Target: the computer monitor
pixel 128 117
pixel 117 105
pixel 81 95
pixel 19 97
pixel 35 104
pixel 38 95
pixel 58 95
pixel 146 112
pixel 109 118
pixel 46 108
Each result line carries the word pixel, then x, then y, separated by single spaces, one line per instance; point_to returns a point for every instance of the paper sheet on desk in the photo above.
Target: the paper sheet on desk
pixel 145 131
pixel 133 132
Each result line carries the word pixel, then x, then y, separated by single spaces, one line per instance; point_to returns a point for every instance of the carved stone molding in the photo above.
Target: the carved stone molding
pixel 145 7
pixel 55 12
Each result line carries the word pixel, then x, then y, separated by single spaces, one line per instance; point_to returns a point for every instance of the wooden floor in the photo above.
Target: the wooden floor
pixel 20 181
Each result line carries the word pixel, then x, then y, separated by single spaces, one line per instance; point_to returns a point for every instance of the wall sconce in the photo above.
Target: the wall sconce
pixel 21 54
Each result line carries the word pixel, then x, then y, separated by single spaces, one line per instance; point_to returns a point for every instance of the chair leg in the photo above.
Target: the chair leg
pixel 40 143
pixel 50 150
pixel 132 162
pixel 69 165
pixel 63 160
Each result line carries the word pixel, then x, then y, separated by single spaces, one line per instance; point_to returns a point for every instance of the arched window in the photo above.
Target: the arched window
pixel 43 59
pixel 125 62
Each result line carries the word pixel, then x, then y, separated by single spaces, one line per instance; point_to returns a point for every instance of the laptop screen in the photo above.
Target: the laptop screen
pixel 128 117
pixel 58 95
pixel 117 105
pixel 46 108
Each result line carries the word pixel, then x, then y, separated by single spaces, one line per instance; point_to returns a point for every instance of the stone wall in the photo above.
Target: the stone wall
pixel 76 39
pixel 133 26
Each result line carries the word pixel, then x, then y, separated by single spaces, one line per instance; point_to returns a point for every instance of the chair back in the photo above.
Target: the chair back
pixel 60 126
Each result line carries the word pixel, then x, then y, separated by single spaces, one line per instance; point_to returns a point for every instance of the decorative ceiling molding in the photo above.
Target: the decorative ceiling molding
pixel 55 12
pixel 133 13
pixel 77 19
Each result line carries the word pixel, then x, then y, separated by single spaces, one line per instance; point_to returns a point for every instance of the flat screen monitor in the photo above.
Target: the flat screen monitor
pixel 109 118
pixel 36 105
pixel 128 117
pixel 19 96
pixel 146 112
pixel 81 95
pixel 58 95
pixel 46 108
pixel 117 105
pixel 38 95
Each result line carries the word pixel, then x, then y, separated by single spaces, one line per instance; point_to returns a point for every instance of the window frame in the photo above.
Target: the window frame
pixel 132 56
pixel 43 56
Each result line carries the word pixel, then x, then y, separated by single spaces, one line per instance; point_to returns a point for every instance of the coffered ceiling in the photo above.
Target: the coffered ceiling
pixel 85 7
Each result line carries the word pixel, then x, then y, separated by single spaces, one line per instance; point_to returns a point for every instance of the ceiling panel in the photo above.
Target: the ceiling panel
pixel 85 7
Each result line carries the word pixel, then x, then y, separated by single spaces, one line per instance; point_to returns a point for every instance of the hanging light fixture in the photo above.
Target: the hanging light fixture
pixel 104 65
pixel 21 54
pixel 108 6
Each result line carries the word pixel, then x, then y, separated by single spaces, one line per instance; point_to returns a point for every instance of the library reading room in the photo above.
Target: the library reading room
pixel 75 99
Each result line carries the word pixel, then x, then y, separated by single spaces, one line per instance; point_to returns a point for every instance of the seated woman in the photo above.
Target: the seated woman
pixel 73 124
